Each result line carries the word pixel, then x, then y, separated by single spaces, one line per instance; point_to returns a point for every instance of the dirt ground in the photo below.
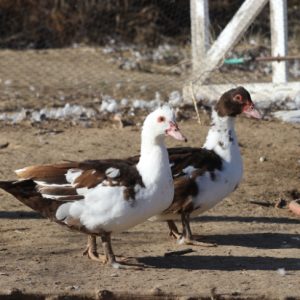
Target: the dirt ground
pixel 258 252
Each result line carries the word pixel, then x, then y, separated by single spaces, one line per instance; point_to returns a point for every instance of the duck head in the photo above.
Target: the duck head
pixel 237 101
pixel 162 122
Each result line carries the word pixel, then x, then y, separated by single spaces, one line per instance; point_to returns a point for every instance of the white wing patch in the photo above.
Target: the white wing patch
pixel 137 188
pixel 189 170
pixel 20 170
pixel 45 184
pixel 54 197
pixel 82 191
pixel 112 172
pixel 63 211
pixel 72 174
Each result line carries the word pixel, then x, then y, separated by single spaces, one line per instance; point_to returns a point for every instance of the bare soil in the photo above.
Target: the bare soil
pixel 258 252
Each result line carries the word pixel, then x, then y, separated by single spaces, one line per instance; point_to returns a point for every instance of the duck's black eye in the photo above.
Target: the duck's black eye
pixel 238 98
pixel 161 119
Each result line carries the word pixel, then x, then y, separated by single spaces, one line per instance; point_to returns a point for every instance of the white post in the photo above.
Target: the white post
pixel 200 31
pixel 230 35
pixel 278 18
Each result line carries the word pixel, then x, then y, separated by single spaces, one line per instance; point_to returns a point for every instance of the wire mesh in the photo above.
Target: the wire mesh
pixel 57 52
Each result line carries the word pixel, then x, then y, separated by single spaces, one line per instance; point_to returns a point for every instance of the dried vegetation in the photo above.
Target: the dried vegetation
pixel 60 23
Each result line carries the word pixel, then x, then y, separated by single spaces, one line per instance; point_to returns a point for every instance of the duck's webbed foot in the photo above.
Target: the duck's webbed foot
pixel 194 242
pixel 111 258
pixel 187 237
pixel 91 250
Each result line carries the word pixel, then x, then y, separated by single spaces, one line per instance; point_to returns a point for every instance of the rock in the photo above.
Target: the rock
pixel 281 271
pixel 5 145
pixel 262 159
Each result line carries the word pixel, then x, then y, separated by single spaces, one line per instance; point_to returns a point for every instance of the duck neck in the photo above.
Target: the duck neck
pixel 222 137
pixel 154 160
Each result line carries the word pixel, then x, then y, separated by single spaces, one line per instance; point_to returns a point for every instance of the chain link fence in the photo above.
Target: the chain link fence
pixel 58 52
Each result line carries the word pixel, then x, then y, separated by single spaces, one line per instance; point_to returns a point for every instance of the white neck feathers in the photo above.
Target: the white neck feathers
pixel 221 136
pixel 154 159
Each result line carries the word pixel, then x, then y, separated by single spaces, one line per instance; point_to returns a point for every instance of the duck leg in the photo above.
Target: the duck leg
pixel 108 252
pixel 91 250
pixel 92 253
pixel 187 236
pixel 110 256
pixel 173 230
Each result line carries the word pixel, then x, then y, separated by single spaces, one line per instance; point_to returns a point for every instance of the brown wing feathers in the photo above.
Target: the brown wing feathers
pixel 202 160
pixel 89 179
pixel 185 189
pixel 47 173
pixel 127 174
pixel 94 173
pixel 26 192
pixel 53 184
pixel 44 188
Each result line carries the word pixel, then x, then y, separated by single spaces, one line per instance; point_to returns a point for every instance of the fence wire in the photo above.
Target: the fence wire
pixel 58 52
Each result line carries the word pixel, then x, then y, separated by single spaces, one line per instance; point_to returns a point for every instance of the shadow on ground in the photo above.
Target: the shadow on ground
pixel 274 220
pixel 257 240
pixel 34 215
pixel 18 214
pixel 222 263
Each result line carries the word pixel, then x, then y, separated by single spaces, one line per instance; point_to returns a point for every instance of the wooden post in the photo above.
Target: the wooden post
pixel 278 20
pixel 260 92
pixel 279 89
pixel 230 35
pixel 200 32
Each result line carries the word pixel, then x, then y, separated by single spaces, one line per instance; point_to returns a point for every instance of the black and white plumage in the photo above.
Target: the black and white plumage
pixel 101 197
pixel 205 176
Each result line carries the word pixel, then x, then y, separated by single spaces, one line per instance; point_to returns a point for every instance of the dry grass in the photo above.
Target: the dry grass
pixel 60 23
